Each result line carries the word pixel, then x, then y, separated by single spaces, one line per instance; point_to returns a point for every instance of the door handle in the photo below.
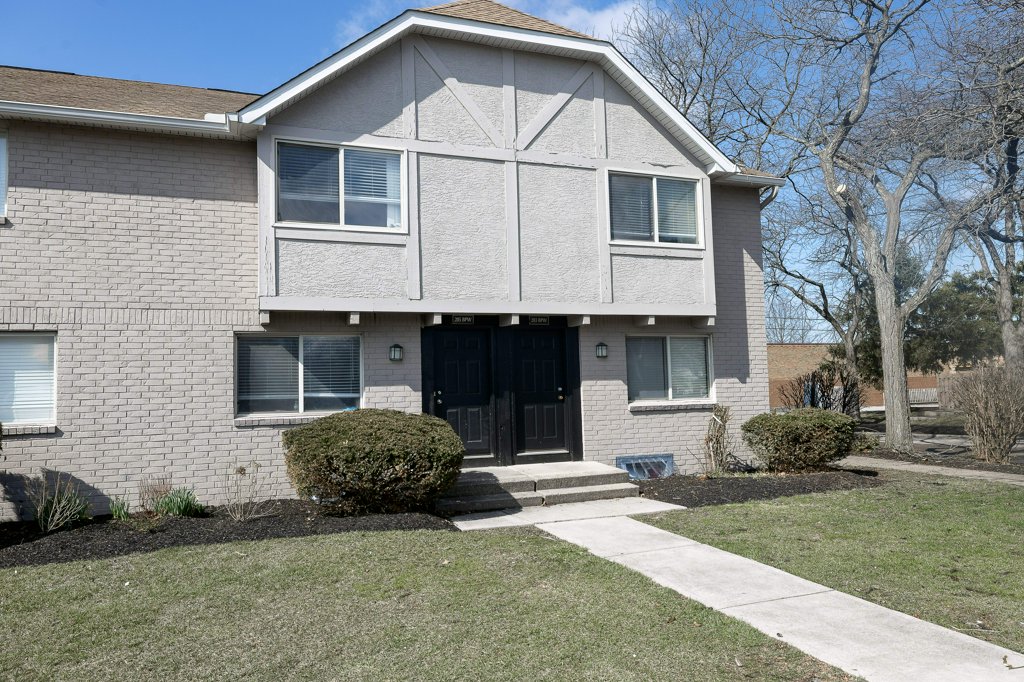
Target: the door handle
pixel 561 395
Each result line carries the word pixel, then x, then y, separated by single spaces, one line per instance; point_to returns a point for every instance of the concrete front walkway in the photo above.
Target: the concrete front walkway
pixel 974 474
pixel 573 511
pixel 852 634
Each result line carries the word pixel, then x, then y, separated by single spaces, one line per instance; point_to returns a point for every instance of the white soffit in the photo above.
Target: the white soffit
pixel 498 36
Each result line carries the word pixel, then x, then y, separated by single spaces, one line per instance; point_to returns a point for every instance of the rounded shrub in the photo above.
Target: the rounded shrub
pixel 801 439
pixel 374 460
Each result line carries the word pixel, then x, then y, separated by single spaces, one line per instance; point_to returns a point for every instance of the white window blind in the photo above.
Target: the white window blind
pixel 26 378
pixel 373 191
pixel 673 368
pixel 677 211
pixel 268 374
pixel 3 173
pixel 330 370
pixel 298 373
pixel 645 368
pixel 307 183
pixel 630 197
pixel 688 362
pixel 649 209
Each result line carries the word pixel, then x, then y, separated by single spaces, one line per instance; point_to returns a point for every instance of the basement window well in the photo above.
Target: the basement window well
pixel 645 467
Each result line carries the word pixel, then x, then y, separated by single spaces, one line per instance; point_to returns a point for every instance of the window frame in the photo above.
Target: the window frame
pixel 5 173
pixel 301 382
pixel 403 190
pixel 709 362
pixel 56 365
pixel 699 211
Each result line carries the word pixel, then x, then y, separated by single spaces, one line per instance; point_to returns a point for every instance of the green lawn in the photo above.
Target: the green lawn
pixel 943 549
pixel 501 605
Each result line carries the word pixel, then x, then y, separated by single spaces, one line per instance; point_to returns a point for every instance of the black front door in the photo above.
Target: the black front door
pixel 463 392
pixel 511 393
pixel 540 381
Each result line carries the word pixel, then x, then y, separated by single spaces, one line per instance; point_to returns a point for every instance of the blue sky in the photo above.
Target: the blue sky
pixel 251 46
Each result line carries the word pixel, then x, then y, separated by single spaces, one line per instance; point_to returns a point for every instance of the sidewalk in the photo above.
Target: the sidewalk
pixel 856 462
pixel 852 634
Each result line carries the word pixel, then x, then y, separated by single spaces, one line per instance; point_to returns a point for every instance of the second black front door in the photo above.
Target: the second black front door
pixel 511 393
pixel 539 383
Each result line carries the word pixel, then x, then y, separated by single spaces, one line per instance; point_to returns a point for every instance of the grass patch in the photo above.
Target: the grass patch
pixel 942 549
pixel 499 605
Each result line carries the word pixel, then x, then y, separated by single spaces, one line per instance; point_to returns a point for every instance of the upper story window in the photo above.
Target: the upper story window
pixel 668 368
pixel 653 209
pixel 27 378
pixel 3 175
pixel 341 186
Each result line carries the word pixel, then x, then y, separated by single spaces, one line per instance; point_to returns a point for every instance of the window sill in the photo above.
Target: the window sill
pixel 29 429
pixel 654 249
pixel 671 405
pixel 289 419
pixel 334 233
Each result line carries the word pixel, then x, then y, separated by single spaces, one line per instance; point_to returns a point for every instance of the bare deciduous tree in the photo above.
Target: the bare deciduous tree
pixel 837 95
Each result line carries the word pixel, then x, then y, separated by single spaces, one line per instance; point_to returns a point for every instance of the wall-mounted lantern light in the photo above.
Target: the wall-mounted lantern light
pixel 601 350
pixel 395 353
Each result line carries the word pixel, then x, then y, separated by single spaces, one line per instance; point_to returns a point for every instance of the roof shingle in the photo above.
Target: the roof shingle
pixel 58 88
pixel 491 12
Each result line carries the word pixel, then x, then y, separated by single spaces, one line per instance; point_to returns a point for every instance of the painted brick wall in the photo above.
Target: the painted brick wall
pixel 139 251
pixel 611 429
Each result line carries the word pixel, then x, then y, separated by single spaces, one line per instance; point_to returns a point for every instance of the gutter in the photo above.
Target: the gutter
pixel 225 125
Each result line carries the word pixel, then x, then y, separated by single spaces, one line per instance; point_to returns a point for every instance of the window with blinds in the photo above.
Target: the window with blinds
pixel 298 373
pixel 27 378
pixel 668 368
pixel 373 191
pixel 339 186
pixel 307 184
pixel 330 371
pixel 653 209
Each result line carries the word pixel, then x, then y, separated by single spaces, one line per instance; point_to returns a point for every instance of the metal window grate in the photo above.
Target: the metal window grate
pixel 646 466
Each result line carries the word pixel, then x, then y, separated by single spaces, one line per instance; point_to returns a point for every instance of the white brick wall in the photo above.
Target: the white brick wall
pixel 610 429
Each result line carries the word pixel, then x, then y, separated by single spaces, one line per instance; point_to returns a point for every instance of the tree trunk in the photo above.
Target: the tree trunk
pixel 850 361
pixel 1011 332
pixel 1013 343
pixel 891 324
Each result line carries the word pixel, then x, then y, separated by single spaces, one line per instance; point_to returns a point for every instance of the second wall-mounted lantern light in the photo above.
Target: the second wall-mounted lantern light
pixel 395 353
pixel 601 350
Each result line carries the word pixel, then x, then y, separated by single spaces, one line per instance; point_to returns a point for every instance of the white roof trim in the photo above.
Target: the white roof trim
pixel 63 114
pixel 748 180
pixel 600 51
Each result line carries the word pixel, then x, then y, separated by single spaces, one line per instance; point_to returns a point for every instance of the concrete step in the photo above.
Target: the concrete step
pixel 588 493
pixel 490 481
pixel 477 503
pixel 575 475
pixel 526 485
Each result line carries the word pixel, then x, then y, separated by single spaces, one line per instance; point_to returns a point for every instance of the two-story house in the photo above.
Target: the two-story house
pixel 469 211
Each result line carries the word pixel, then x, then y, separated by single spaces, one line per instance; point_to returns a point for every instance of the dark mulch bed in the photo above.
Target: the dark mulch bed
pixel 957 459
pixel 697 491
pixel 21 543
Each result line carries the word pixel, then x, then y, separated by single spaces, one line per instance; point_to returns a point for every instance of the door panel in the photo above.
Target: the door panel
pixel 462 391
pixel 539 384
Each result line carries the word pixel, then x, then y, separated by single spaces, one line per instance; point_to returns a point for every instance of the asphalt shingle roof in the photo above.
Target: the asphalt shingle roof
pixel 494 13
pixel 58 88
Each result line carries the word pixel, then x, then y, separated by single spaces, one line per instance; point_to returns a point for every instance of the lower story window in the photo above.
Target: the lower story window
pixel 27 378
pixel 668 367
pixel 298 373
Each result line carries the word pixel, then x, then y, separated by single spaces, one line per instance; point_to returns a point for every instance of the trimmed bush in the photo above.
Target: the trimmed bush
pixel 800 439
pixel 374 460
